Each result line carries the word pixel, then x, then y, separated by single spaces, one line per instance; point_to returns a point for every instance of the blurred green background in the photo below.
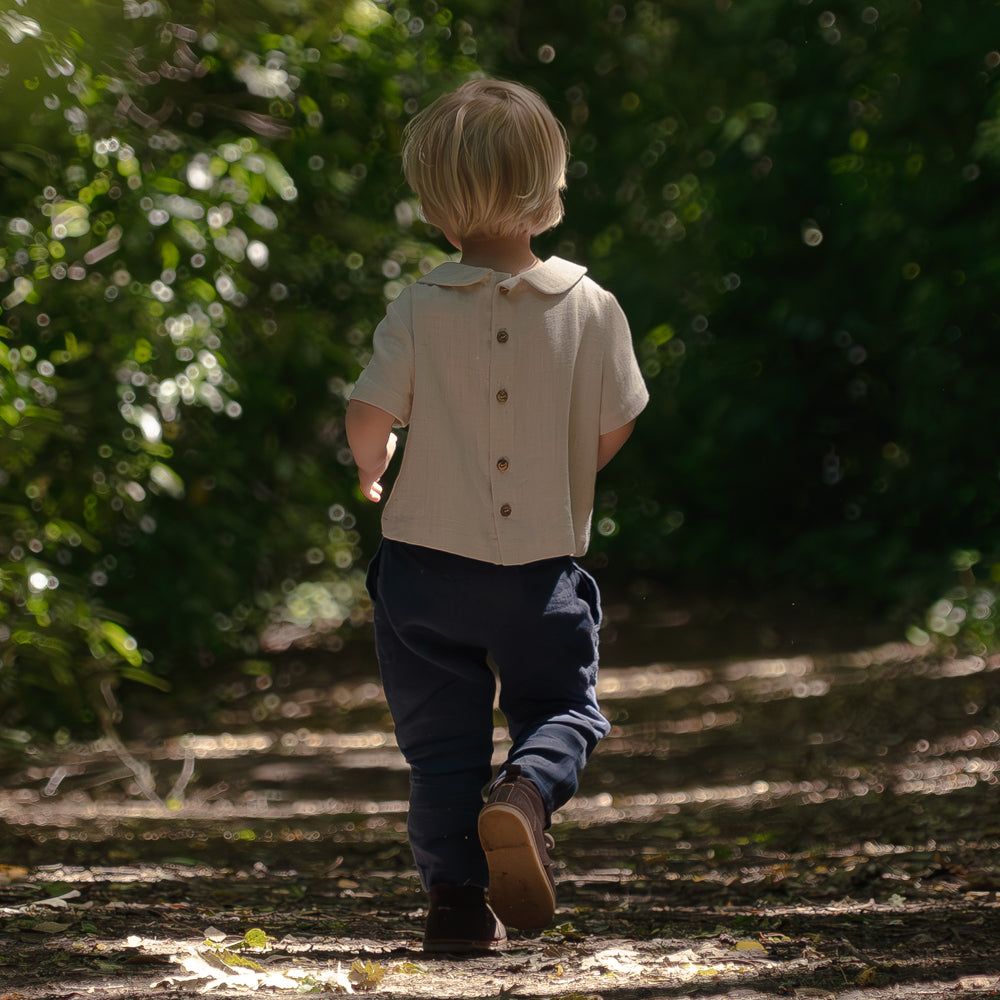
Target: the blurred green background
pixel 202 217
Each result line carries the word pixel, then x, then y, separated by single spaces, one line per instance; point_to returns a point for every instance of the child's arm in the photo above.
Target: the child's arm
pixel 611 443
pixel 370 437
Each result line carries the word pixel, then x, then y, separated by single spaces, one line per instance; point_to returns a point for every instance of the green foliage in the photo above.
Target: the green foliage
pixel 797 205
pixel 199 223
pixel 964 619
pixel 202 218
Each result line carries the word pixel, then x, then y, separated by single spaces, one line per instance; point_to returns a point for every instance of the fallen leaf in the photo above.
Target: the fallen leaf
pixel 49 927
pixel 237 961
pixel 256 938
pixel 55 901
pixel 410 969
pixel 749 946
pixel 366 975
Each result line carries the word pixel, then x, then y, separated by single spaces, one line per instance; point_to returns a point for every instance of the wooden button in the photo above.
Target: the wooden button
pixel 502 396
pixel 506 510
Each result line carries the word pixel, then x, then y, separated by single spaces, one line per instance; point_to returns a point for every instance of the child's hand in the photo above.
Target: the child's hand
pixel 370 488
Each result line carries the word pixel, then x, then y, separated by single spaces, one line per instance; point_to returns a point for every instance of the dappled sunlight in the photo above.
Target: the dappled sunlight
pixel 606 808
pixel 195 926
pixel 939 777
pixel 77 817
pixel 645 739
pixel 721 744
pixel 930 777
pixel 770 768
pixel 638 681
pixel 729 829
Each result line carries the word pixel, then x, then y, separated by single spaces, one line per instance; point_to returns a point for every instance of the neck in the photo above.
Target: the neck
pixel 507 254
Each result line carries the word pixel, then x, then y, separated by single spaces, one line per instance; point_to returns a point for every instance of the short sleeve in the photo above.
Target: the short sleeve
pixel 387 381
pixel 623 391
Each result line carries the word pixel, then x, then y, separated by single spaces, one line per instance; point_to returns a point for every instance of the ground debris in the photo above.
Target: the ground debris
pixel 227 935
pixel 209 970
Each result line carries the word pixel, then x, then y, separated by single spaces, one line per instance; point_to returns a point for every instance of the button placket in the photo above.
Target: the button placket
pixel 503 379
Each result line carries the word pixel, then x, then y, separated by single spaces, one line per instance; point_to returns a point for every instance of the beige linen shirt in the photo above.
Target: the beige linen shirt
pixel 506 384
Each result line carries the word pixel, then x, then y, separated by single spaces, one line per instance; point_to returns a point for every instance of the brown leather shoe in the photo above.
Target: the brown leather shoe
pixel 511 830
pixel 460 920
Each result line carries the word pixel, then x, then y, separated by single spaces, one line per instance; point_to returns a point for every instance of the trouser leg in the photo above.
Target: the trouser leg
pixel 548 675
pixel 440 691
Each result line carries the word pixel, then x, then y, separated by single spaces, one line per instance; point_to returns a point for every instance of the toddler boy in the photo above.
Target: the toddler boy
pixel 517 381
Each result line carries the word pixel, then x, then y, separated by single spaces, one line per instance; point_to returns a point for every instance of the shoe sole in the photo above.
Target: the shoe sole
pixel 520 892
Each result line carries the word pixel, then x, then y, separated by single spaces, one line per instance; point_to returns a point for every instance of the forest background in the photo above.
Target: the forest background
pixel 202 218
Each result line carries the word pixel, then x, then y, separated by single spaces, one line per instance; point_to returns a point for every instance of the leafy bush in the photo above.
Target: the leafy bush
pixel 199 222
pixel 964 619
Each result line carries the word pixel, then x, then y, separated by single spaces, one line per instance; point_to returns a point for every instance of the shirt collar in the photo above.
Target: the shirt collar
pixel 551 277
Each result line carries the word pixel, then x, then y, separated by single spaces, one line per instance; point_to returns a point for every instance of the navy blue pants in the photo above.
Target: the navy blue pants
pixel 438 617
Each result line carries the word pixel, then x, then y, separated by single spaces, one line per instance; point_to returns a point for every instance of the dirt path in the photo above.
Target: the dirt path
pixel 143 930
pixel 758 825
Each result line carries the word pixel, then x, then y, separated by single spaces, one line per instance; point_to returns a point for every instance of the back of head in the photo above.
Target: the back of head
pixel 488 159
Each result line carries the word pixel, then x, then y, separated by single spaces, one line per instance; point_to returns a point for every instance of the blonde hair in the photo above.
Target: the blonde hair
pixel 488 159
